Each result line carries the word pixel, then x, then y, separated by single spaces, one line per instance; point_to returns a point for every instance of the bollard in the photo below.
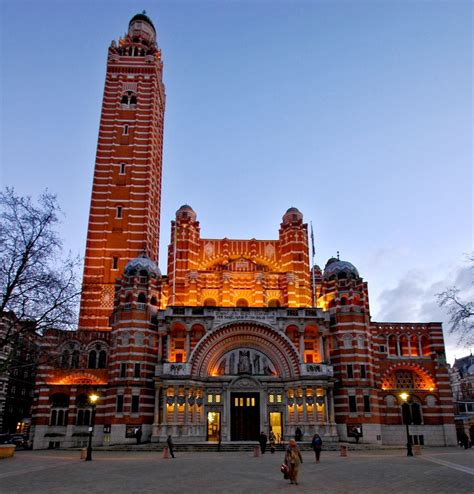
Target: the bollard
pixel 417 449
pixel 343 450
pixel 166 452
pixel 256 451
pixel 83 453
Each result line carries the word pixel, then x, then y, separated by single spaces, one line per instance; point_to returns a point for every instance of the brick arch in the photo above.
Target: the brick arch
pixel 416 368
pixel 276 346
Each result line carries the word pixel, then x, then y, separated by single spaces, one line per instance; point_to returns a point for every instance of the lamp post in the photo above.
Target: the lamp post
pixel 92 399
pixel 407 419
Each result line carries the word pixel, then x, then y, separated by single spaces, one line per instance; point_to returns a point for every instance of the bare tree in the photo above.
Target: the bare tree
pixel 39 286
pixel 461 312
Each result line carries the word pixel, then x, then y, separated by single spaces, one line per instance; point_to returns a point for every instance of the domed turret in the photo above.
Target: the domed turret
pixel 141 26
pixel 142 263
pixel 292 215
pixel 185 212
pixel 340 269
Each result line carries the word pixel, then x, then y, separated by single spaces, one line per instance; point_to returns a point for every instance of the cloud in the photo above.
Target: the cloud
pixel 414 299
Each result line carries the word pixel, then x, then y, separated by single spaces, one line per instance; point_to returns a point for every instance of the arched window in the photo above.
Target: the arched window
pixel 414 345
pixel 404 346
pixel 84 410
pixel 59 409
pixel 128 100
pixel 65 359
pixel 209 302
pixel 411 413
pixel 274 303
pixel 102 359
pixel 242 303
pixel 392 345
pixel 141 298
pixel 92 361
pixel 425 346
pixel 75 359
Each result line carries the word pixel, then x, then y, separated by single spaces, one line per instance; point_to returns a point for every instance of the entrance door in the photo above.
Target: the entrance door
pixel 213 426
pixel 245 416
pixel 276 425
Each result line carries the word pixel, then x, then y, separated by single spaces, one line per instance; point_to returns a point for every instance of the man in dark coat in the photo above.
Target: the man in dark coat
pixel 169 442
pixel 263 442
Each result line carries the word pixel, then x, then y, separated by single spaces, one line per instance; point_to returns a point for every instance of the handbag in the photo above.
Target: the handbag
pixel 285 470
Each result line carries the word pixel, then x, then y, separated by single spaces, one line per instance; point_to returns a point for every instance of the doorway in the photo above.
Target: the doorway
pixel 276 425
pixel 213 426
pixel 245 416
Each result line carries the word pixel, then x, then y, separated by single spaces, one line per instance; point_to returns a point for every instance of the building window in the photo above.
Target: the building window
pixel 350 371
pixel 218 398
pixel 352 404
pixel 210 398
pixel 102 359
pixel 136 370
pixel 118 212
pixel 115 263
pixel 92 359
pixel 135 403
pixel 122 168
pixel 123 369
pixel 119 403
pixel 271 398
pixel 366 404
pixel 363 373
pixel 129 100
pixel 125 130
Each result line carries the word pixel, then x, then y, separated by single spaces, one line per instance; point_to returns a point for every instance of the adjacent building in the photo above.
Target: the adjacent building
pixel 240 335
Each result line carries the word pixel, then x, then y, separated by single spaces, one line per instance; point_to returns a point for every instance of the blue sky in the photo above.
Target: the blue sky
pixel 358 113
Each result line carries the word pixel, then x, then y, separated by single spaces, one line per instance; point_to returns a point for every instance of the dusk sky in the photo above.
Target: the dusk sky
pixel 358 113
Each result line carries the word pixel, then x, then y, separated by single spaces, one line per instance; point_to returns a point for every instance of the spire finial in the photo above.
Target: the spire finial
pixel 144 12
pixel 338 255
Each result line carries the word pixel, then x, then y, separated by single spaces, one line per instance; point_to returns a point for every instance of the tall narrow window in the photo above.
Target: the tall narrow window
pixel 119 403
pixel 136 370
pixel 123 369
pixel 119 212
pixel 115 263
pixel 350 371
pixel 366 403
pixel 122 168
pixel 352 404
pixel 363 373
pixel 125 130
pixel 135 403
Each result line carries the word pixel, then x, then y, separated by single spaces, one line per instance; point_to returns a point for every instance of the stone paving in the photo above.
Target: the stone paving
pixel 437 470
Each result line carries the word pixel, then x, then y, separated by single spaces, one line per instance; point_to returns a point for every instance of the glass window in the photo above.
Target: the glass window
pixel 367 404
pixel 218 398
pixel 135 403
pixel 209 398
pixel 123 369
pixel 352 404
pixel 136 370
pixel 350 371
pixel 119 403
pixel 362 372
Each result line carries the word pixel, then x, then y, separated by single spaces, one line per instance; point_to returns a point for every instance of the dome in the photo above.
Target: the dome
pixel 142 263
pixel 292 214
pixel 141 17
pixel 336 267
pixel 186 211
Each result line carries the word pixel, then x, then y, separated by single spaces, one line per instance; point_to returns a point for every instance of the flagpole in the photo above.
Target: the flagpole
pixel 312 268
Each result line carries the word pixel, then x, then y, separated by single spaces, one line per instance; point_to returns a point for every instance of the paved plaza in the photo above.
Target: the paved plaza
pixel 437 470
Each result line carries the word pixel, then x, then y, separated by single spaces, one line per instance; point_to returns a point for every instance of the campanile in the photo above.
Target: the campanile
pixel 124 216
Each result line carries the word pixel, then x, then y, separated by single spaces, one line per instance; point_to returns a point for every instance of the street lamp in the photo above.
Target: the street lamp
pixel 92 399
pixel 407 419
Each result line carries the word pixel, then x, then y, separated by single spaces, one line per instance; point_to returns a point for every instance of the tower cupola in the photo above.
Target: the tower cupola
pixel 141 27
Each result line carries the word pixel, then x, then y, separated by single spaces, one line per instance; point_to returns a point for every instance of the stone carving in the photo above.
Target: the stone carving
pixel 244 362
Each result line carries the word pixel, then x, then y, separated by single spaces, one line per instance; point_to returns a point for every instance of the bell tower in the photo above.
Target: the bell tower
pixel 124 218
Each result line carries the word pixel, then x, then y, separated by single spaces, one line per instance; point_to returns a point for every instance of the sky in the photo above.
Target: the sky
pixel 359 113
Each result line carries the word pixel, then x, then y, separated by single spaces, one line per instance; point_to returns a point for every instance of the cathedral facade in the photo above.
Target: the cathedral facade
pixel 239 336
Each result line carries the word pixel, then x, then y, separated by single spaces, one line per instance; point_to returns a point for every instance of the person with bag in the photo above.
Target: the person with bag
pixel 293 460
pixel 317 444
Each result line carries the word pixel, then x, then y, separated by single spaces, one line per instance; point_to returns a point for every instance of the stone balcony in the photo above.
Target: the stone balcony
pixel 317 370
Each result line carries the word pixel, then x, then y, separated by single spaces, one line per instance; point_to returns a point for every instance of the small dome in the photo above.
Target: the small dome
pixel 292 215
pixel 342 269
pixel 186 211
pixel 142 263
pixel 141 17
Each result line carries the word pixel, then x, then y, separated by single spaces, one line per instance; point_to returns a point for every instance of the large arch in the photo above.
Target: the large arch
pixel 265 339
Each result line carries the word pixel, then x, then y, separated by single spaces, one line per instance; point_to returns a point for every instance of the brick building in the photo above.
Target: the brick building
pixel 240 335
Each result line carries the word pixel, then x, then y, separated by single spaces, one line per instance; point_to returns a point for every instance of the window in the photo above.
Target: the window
pixel 115 263
pixel 123 369
pixel 209 398
pixel 118 212
pixel 382 348
pixel 122 168
pixel 136 370
pixel 102 359
pixel 75 359
pixel 352 404
pixel 366 404
pixel 363 373
pixel 129 100
pixel 119 403
pixel 350 371
pixel 125 130
pixel 135 403
pixel 271 398
pixel 92 360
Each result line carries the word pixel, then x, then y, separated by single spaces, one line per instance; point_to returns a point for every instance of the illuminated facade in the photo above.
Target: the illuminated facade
pixel 239 336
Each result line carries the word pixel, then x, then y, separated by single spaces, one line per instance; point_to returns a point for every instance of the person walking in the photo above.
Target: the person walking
pixel 294 460
pixel 138 435
pixel 298 434
pixel 262 439
pixel 272 438
pixel 169 442
pixel 317 444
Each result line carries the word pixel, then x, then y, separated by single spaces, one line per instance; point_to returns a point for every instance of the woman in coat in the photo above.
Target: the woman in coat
pixel 317 444
pixel 294 460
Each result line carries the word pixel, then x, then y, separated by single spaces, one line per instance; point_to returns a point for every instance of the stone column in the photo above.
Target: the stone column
pixel 398 347
pixel 322 353
pixel 168 346
pixel 175 405
pixel 305 411
pixel 188 342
